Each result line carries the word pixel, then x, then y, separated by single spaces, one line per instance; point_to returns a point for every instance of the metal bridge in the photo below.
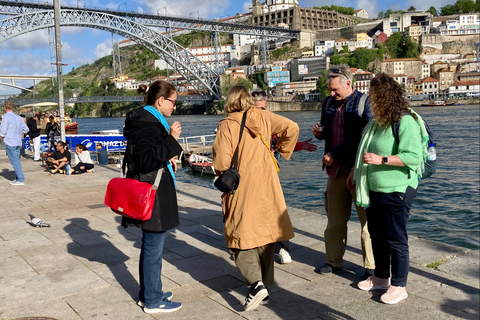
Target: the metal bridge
pixel 21 102
pixel 29 16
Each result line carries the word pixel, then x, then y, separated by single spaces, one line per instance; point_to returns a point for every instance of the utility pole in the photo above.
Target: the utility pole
pixel 58 46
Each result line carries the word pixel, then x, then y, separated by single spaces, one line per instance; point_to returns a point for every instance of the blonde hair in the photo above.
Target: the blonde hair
pixel 238 99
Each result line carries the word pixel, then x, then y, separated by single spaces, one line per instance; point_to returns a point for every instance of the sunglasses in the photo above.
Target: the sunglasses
pixel 259 93
pixel 337 71
pixel 172 101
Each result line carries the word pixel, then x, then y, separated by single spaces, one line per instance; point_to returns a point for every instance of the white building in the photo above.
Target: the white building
pixel 430 85
pixel 361 13
pixel 274 5
pixel 466 24
pixel 425 69
pixel 324 47
pixel 470 87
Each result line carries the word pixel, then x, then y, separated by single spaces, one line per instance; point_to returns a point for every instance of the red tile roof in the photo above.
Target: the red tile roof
pixel 465 83
pixel 429 79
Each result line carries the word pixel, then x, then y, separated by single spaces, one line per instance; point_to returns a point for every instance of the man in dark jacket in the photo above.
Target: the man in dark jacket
pixel 53 133
pixel 34 135
pixel 344 115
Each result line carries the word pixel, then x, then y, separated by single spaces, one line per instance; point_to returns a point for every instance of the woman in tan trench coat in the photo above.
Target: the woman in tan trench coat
pixel 256 214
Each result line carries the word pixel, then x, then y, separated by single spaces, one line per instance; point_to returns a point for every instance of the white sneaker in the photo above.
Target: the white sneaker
pixel 284 256
pixel 17 183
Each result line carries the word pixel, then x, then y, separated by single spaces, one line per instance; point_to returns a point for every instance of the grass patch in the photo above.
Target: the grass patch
pixel 434 265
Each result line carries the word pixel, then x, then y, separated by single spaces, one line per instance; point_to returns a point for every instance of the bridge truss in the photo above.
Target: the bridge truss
pixel 29 16
pixel 188 65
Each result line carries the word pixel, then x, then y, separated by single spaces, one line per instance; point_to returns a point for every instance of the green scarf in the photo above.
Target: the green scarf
pixel 360 172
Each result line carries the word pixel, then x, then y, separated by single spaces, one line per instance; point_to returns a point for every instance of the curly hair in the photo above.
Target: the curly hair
pixel 388 100
pixel 238 99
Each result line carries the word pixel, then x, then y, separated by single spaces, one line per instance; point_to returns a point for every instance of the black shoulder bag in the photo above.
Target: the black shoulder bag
pixel 229 180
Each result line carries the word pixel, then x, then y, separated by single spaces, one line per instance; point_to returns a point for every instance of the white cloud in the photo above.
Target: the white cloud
pixel 20 62
pixel 103 49
pixel 73 55
pixel 246 6
pixel 30 40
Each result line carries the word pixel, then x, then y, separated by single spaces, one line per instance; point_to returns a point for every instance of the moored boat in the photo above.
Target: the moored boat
pixel 438 103
pixel 202 164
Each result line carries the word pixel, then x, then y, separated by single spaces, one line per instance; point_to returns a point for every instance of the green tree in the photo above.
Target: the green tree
pixel 316 8
pixel 322 87
pixel 448 10
pixel 380 15
pixel 465 6
pixel 433 11
pixel 388 13
pixel 393 43
pixel 401 47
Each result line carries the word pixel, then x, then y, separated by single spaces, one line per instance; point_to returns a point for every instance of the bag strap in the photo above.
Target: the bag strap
pixel 158 178
pixel 240 139
pixel 265 143
pixel 361 104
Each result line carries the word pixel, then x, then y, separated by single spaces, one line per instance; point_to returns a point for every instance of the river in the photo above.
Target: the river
pixel 447 206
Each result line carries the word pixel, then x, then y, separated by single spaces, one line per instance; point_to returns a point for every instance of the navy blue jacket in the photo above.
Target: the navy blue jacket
pixel 353 127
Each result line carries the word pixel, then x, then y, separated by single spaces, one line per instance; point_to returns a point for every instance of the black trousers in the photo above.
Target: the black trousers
pixel 387 219
pixel 87 166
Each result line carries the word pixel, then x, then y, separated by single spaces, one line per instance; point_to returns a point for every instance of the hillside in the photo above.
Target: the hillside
pixel 94 79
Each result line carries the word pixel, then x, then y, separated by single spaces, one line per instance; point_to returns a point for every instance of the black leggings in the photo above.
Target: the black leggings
pixel 77 170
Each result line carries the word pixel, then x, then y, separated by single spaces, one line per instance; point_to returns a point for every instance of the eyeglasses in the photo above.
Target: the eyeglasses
pixel 259 93
pixel 172 101
pixel 337 71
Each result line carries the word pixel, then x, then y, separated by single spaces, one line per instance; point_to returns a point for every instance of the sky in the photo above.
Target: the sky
pixel 29 54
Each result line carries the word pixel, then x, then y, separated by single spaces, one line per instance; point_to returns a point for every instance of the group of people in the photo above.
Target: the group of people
pixel 13 129
pixel 363 160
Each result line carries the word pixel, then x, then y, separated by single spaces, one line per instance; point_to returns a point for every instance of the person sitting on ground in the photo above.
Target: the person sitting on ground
pixel 60 158
pixel 83 162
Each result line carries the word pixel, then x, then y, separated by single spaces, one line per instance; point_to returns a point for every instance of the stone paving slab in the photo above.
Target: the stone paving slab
pixel 85 266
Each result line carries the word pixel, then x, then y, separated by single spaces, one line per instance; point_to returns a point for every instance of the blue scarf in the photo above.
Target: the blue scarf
pixel 162 120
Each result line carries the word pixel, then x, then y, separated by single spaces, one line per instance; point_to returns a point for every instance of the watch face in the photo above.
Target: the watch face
pixel 385 160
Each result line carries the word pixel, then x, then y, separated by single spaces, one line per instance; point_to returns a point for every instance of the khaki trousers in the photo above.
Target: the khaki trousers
pixel 338 204
pixel 255 264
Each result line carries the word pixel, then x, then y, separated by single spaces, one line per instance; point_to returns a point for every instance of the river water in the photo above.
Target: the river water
pixel 447 206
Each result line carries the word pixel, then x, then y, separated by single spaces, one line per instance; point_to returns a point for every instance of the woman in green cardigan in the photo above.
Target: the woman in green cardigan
pixel 386 177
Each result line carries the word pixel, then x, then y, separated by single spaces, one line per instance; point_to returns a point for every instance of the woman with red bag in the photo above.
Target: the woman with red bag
pixel 152 145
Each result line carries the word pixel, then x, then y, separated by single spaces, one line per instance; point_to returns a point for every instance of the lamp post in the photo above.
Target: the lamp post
pixel 198 14
pixel 58 54
pixel 121 4
pixel 161 9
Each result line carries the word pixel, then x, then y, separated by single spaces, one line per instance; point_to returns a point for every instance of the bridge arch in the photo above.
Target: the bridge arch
pixel 188 65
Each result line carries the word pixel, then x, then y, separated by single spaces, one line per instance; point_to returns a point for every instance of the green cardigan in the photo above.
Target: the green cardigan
pixel 386 178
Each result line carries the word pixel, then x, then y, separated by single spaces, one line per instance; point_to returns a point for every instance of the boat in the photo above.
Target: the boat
pixel 70 126
pixel 202 164
pixel 438 103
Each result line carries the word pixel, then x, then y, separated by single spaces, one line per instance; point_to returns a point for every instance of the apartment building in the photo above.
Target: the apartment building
pixel 470 87
pixel 445 78
pixel 430 85
pixel 362 80
pixel 276 75
pixel 414 31
pixel 400 21
pixel 324 47
pixel 361 13
pixel 425 70
pixel 410 66
pixel 410 86
pixel 465 24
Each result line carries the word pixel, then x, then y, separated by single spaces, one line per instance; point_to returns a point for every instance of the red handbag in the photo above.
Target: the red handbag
pixel 132 198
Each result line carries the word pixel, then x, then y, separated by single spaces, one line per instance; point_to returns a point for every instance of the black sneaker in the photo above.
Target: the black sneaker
pixel 327 269
pixel 257 293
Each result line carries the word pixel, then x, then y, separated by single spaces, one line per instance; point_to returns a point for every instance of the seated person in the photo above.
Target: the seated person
pixel 83 162
pixel 59 158
pixel 102 154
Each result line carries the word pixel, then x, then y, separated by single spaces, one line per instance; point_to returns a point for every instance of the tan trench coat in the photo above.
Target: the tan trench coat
pixel 256 214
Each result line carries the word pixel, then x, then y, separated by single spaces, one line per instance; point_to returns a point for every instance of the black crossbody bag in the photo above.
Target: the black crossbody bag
pixel 229 180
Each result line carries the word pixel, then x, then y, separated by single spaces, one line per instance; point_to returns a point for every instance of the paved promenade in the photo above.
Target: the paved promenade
pixel 85 266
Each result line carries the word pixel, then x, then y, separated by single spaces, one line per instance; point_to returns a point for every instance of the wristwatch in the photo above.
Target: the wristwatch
pixel 384 160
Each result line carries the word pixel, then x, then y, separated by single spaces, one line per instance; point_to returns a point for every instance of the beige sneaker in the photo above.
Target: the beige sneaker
pixel 374 283
pixel 394 295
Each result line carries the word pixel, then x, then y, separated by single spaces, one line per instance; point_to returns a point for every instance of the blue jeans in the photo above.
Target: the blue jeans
pixel 22 150
pixel 13 154
pixel 151 268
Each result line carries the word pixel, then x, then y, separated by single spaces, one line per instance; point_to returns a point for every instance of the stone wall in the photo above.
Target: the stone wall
pixel 350 32
pixel 279 106
pixel 437 44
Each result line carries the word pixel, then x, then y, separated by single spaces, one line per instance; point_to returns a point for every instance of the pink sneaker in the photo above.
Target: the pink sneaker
pixel 394 295
pixel 373 283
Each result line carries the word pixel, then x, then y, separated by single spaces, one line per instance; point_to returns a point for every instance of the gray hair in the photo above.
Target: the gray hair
pixel 342 71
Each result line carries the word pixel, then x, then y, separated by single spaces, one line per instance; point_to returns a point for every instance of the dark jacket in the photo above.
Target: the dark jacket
pixel 149 147
pixel 32 125
pixel 52 129
pixel 353 127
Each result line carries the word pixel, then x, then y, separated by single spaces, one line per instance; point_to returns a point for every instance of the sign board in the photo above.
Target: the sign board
pixel 302 69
